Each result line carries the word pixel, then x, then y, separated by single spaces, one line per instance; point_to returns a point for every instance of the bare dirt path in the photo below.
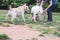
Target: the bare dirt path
pixel 17 32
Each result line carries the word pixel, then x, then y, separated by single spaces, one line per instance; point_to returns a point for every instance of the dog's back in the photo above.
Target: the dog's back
pixel 36 9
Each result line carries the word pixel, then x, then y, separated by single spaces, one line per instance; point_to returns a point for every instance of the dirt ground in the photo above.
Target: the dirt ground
pixel 22 32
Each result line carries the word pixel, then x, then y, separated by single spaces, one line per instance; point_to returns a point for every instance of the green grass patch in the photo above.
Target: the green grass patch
pixel 4 37
pixel 57 34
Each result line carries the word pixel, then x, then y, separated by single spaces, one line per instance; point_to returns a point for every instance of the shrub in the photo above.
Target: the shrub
pixel 4 37
pixel 57 34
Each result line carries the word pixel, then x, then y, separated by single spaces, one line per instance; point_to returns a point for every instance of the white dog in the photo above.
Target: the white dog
pixel 14 12
pixel 36 10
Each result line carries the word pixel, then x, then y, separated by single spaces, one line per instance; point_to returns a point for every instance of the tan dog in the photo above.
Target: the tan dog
pixel 14 12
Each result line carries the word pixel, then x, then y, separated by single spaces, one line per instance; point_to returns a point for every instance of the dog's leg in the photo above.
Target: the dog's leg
pixel 23 17
pixel 37 17
pixel 12 20
pixel 40 17
pixel 34 17
pixel 31 16
pixel 6 16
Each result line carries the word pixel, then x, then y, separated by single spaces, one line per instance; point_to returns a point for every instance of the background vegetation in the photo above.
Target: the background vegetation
pixel 4 4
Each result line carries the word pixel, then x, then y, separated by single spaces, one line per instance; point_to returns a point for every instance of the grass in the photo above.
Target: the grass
pixel 57 34
pixel 4 37
pixel 40 26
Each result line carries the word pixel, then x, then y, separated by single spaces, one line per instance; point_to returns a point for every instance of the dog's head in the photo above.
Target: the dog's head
pixel 26 8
